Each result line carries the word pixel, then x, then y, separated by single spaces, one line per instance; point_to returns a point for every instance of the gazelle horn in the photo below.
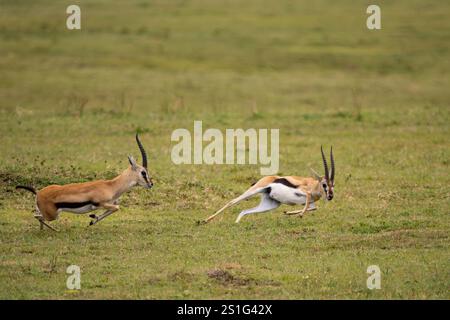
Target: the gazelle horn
pixel 144 155
pixel 332 165
pixel 325 165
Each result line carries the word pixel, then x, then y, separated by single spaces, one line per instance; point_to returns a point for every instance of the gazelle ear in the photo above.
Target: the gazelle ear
pixel 132 162
pixel 315 174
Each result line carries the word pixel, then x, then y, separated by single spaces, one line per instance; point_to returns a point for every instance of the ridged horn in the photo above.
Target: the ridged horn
pixel 144 154
pixel 325 165
pixel 332 165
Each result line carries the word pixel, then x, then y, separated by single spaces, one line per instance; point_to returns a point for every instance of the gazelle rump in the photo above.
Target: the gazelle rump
pixel 291 190
pixel 89 196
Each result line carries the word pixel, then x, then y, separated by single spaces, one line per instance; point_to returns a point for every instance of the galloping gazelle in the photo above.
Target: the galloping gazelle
pixel 290 190
pixel 89 196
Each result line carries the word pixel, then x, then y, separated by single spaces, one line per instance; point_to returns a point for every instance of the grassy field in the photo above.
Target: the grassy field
pixel 71 101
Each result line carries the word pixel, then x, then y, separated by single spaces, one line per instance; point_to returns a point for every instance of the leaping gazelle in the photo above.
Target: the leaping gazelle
pixel 89 196
pixel 292 190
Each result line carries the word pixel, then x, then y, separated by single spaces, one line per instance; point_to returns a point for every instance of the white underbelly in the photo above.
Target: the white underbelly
pixel 286 195
pixel 80 210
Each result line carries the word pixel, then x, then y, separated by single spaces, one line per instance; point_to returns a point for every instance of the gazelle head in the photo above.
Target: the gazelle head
pixel 140 173
pixel 326 182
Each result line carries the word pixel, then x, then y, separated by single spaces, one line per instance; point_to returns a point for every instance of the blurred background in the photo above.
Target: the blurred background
pixel 158 65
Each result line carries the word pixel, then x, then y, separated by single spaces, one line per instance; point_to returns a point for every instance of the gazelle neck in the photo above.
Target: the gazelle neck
pixel 316 192
pixel 122 183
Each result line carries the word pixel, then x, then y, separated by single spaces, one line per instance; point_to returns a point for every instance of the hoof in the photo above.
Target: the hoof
pixel 93 216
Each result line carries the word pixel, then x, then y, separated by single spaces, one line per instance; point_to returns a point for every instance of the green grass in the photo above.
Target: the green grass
pixel 71 101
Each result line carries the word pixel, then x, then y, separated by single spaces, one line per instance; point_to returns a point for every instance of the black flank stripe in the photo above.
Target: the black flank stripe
pixel 285 182
pixel 74 205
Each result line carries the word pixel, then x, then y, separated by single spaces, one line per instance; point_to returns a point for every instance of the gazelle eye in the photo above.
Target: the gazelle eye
pixel 143 173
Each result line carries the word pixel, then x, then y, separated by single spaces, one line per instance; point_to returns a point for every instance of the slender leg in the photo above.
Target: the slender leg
pixel 305 208
pixel 308 199
pixel 266 204
pixel 229 204
pixel 245 195
pixel 111 209
pixel 48 226
pixel 40 218
pixel 42 224
pixel 298 211
pixel 101 217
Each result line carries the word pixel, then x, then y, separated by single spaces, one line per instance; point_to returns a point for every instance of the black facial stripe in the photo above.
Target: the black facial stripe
pixel 145 176
pixel 285 182
pixel 74 205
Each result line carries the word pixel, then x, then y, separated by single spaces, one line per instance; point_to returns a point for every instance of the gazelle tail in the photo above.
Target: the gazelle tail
pixel 31 189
